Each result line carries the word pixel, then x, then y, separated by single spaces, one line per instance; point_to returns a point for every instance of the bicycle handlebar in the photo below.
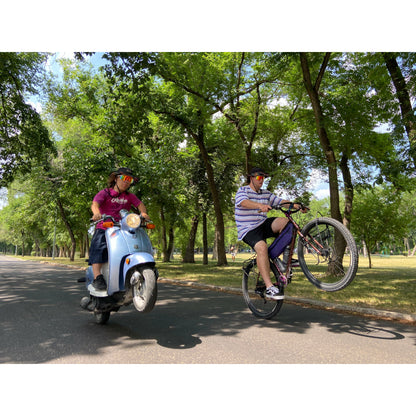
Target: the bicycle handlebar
pixel 288 207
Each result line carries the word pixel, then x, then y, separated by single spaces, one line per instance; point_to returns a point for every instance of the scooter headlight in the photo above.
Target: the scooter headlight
pixel 133 220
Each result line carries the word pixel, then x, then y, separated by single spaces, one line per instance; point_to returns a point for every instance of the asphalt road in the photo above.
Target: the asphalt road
pixel 41 322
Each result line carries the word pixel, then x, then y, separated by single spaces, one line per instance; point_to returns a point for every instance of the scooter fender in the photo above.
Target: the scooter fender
pixel 136 259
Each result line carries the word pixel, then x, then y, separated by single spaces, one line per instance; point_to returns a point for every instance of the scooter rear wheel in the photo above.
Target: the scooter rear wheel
pixel 102 318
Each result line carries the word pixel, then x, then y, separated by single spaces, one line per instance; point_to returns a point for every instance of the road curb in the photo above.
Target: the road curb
pixel 374 313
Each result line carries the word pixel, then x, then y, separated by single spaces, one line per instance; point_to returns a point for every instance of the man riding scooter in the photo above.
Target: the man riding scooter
pixel 110 201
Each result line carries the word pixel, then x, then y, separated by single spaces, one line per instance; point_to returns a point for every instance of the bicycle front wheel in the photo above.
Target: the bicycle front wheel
pixel 328 255
pixel 253 292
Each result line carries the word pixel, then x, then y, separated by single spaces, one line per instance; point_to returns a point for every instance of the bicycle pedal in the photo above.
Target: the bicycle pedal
pixel 259 292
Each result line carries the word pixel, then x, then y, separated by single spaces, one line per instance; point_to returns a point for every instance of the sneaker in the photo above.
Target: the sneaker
pixel 99 283
pixel 295 263
pixel 81 279
pixel 274 293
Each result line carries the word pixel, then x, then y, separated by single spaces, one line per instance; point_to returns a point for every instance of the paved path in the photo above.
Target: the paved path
pixel 41 322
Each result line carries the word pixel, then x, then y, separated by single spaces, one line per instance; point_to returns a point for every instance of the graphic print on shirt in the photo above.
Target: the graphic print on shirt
pixel 119 200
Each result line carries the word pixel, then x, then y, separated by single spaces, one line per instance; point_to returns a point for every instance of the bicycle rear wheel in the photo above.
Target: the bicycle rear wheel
pixel 328 255
pixel 254 289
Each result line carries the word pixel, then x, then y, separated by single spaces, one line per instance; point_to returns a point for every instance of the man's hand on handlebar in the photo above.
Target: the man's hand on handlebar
pixel 264 208
pixel 145 216
pixel 96 217
pixel 290 206
pixel 302 208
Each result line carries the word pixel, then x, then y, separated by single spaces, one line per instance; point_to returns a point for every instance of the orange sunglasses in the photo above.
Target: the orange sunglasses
pixel 126 178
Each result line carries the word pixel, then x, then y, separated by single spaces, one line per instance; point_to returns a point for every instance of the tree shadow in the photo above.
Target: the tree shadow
pixel 41 320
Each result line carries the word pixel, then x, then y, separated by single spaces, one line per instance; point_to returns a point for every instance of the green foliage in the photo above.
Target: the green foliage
pixel 378 217
pixel 169 116
pixel 24 141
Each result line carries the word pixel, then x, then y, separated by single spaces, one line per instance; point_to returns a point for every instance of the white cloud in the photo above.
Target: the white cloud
pixel 321 193
pixel 318 184
pixel 3 197
pixel 282 102
pixel 36 105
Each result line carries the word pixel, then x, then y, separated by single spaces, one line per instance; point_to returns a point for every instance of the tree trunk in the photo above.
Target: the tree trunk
pixel 83 240
pixel 215 247
pixel 23 243
pixel 205 238
pixel 403 96
pixel 169 252
pixel 322 133
pixel 166 255
pixel 348 190
pixel 369 255
pixel 68 227
pixel 199 138
pixel 312 90
pixel 364 249
pixel 189 256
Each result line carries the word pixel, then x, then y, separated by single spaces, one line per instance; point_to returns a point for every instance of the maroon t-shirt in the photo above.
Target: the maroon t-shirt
pixel 111 202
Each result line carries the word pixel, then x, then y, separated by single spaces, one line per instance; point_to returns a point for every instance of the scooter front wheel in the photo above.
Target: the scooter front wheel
pixel 102 318
pixel 145 291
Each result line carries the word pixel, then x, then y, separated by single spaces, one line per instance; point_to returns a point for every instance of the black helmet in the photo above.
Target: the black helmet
pixel 258 171
pixel 122 171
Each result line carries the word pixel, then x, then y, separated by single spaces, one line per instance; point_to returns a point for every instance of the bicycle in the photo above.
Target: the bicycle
pixel 327 255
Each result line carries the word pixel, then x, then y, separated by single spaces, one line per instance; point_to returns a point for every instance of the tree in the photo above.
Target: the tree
pixel 193 114
pixel 312 87
pixel 210 116
pixel 403 96
pixel 24 141
pixel 377 217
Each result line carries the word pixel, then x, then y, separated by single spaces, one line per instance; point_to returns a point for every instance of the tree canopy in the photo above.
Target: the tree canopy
pixel 191 125
pixel 24 140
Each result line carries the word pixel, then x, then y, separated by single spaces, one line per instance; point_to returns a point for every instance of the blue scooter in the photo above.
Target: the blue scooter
pixel 130 272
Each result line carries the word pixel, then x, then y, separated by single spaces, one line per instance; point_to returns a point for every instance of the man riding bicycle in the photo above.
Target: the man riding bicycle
pixel 251 206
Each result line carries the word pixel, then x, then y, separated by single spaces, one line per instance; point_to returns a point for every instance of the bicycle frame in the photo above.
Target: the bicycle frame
pixel 320 259
pixel 285 276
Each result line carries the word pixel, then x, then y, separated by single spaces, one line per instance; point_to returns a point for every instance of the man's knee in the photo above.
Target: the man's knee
pixel 278 224
pixel 260 247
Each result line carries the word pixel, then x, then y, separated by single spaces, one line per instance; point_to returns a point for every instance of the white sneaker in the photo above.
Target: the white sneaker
pixel 274 293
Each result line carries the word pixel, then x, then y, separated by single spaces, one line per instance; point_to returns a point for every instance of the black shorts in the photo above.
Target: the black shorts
pixel 98 248
pixel 262 232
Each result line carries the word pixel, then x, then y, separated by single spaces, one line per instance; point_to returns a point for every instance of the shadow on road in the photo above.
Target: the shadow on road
pixel 41 320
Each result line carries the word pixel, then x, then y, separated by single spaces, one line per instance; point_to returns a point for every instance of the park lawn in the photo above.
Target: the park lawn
pixel 389 285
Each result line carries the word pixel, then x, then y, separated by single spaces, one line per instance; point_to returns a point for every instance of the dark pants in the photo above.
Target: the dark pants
pixel 98 248
pixel 262 232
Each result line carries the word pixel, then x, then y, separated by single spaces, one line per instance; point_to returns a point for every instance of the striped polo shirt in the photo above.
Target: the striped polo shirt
pixel 248 219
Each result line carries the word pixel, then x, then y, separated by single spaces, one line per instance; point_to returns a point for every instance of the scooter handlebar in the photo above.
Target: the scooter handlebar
pixel 145 223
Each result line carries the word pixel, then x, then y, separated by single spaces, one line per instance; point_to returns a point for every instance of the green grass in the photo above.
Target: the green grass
pixel 389 285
